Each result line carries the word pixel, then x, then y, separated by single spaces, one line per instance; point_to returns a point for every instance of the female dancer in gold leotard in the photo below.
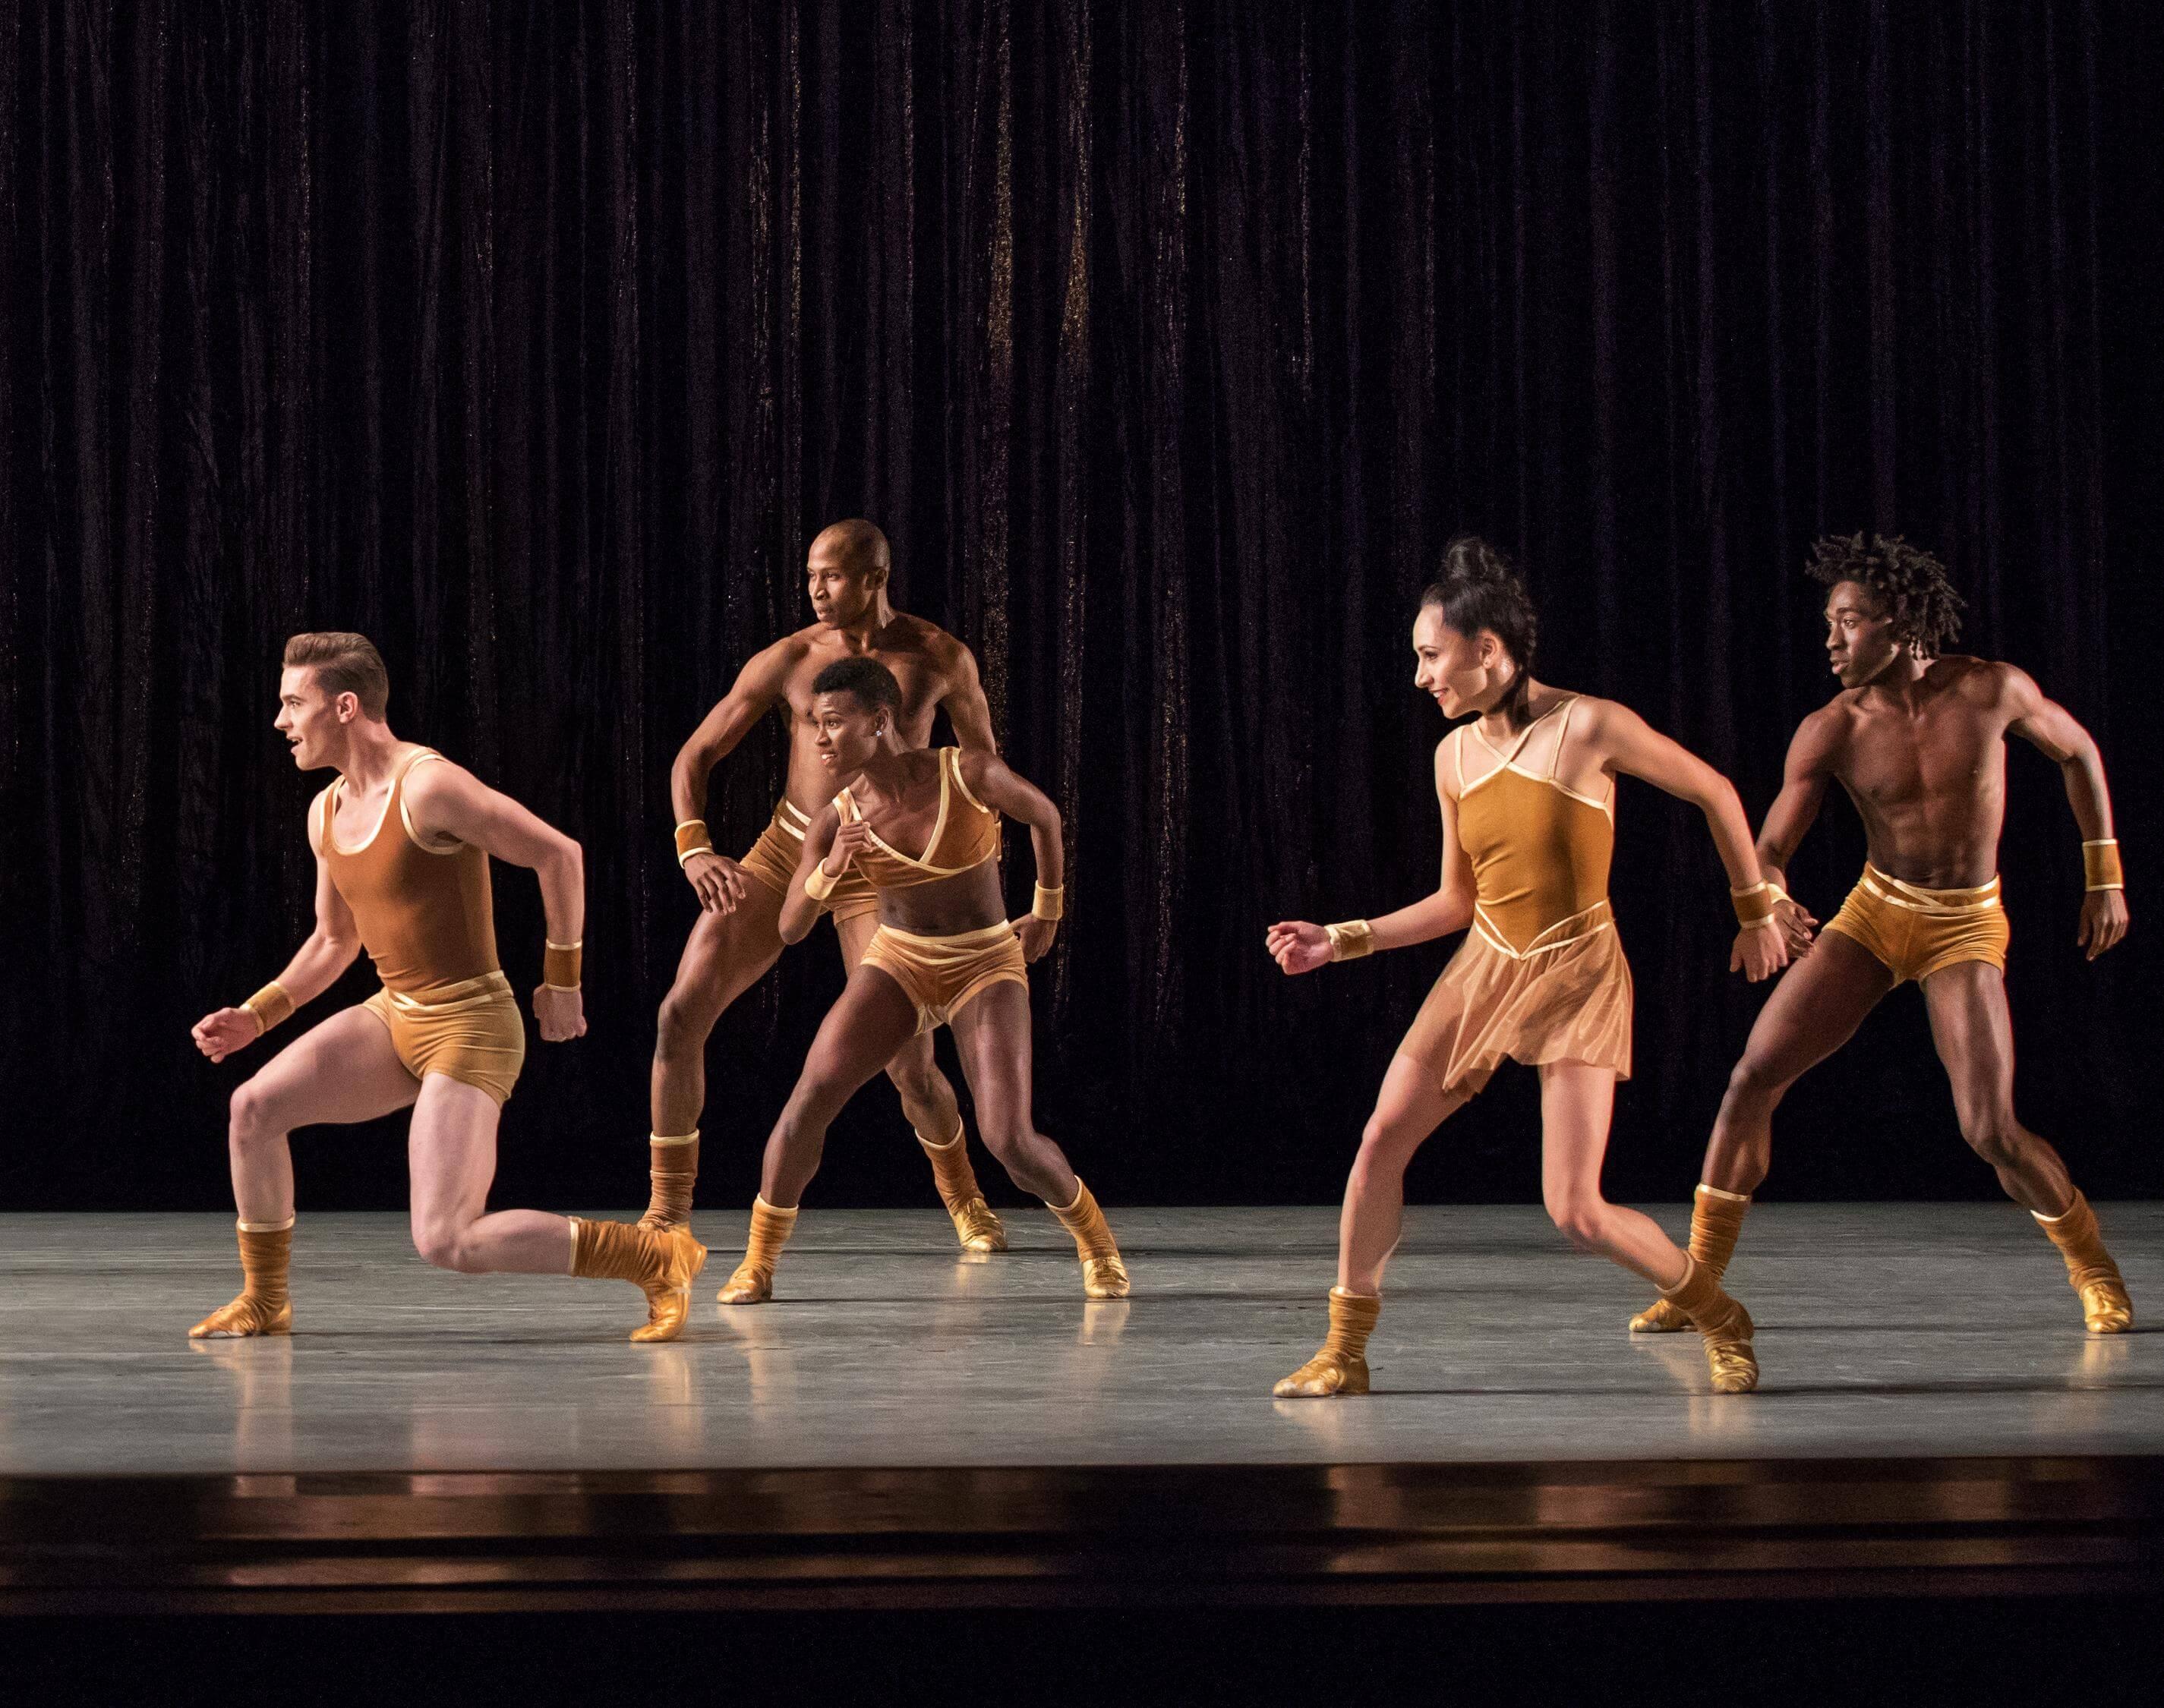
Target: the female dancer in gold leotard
pixel 1527 793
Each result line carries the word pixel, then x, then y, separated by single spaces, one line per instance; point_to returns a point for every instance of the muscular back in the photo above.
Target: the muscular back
pixel 1925 764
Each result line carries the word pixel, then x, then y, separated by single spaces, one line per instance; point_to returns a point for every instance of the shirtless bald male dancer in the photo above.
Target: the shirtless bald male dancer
pixel 738 935
pixel 402 839
pixel 1919 741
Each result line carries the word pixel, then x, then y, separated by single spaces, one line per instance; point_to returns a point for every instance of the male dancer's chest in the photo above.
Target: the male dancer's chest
pixel 1943 766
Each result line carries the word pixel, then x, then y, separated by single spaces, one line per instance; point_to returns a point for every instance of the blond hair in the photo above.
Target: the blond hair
pixel 344 663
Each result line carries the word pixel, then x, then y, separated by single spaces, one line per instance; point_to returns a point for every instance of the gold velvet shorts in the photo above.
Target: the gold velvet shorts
pixel 1915 932
pixel 773 857
pixel 1566 998
pixel 942 975
pixel 470 1032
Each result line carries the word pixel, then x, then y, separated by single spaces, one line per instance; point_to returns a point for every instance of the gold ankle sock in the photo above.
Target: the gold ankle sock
pixel 661 1262
pixel 673 1169
pixel 752 1282
pixel 1717 1220
pixel 1104 1276
pixel 1722 1323
pixel 264 1306
pixel 1340 1367
pixel 976 1225
pixel 2094 1277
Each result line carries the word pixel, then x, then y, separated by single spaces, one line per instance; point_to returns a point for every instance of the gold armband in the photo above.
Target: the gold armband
pixel 818 885
pixel 560 964
pixel 1049 904
pixel 1754 907
pixel 1351 940
pixel 692 838
pixel 270 1006
pixel 2100 867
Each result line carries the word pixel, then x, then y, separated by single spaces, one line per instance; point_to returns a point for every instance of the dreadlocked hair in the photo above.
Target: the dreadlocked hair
pixel 1478 589
pixel 1909 583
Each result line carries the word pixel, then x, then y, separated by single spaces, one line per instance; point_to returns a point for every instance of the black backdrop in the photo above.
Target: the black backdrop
pixel 1168 342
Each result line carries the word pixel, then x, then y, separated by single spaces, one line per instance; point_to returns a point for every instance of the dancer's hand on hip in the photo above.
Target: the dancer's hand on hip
pixel 1035 935
pixel 1297 946
pixel 719 880
pixel 562 1014
pixel 219 1035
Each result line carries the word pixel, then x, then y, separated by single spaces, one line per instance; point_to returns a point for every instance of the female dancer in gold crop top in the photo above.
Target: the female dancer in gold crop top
pixel 1527 793
pixel 944 954
pixel 402 839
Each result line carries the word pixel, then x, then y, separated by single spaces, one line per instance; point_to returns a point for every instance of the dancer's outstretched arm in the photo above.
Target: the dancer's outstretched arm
pixel 1300 946
pixel 315 967
pixel 1628 744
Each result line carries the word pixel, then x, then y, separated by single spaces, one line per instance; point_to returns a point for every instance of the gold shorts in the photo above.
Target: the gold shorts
pixel 943 975
pixel 773 857
pixel 1915 932
pixel 470 1032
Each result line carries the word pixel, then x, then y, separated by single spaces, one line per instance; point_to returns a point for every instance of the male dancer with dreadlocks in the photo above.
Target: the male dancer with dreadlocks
pixel 1918 740
pixel 737 935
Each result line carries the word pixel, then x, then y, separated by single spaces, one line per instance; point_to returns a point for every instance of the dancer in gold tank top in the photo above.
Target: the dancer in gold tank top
pixel 403 840
pixel 1527 794
pixel 944 954
pixel 1918 740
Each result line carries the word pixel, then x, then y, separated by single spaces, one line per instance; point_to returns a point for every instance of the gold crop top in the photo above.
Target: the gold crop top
pixel 425 915
pixel 965 834
pixel 1540 850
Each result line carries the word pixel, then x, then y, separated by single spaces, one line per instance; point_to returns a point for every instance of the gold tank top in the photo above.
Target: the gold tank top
pixel 425 915
pixel 1540 850
pixel 962 835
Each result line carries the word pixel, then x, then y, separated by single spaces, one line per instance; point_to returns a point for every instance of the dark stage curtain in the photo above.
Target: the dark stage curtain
pixel 1168 341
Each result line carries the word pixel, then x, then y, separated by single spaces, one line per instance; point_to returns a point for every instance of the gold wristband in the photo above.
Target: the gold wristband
pixel 818 885
pixel 1350 939
pixel 270 1006
pixel 560 964
pixel 2100 867
pixel 1050 903
pixel 1755 906
pixel 692 838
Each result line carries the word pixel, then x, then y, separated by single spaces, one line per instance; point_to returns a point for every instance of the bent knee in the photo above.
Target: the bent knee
pixel 1756 1079
pixel 442 1246
pixel 1583 1222
pixel 684 1023
pixel 248 1112
pixel 1996 1137
pixel 1005 1138
pixel 1389 1137
pixel 915 1075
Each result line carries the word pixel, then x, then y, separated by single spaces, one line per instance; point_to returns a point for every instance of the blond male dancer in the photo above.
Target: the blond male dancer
pixel 737 936
pixel 1918 740
pixel 403 840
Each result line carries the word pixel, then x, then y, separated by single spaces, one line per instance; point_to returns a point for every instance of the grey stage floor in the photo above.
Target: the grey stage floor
pixel 1883 1330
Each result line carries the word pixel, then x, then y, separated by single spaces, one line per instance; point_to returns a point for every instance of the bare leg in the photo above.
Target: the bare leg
pixel 341 1071
pixel 1578 1104
pixel 858 1037
pixel 992 1033
pixel 928 1098
pixel 1814 1010
pixel 1970 1025
pixel 724 956
pixel 1408 1108
pixel 451 1154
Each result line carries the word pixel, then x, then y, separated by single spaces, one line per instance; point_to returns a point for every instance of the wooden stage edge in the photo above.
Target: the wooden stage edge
pixel 1082 1536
